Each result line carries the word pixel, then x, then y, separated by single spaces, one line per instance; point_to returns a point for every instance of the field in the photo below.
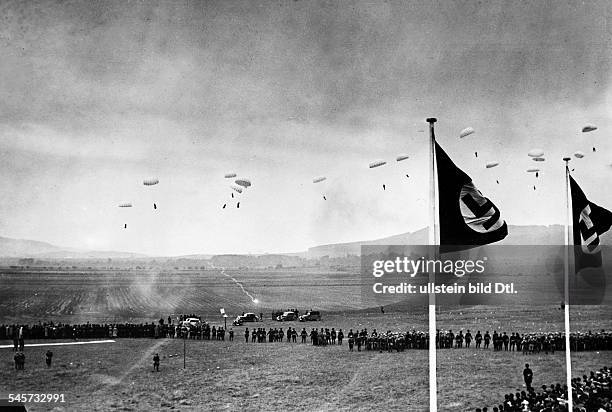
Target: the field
pixel 272 376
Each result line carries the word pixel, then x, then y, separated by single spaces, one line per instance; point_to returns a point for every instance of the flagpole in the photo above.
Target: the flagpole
pixel 433 390
pixel 568 357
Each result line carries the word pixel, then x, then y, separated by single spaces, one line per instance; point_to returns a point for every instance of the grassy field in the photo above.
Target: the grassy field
pixel 272 376
pixel 222 376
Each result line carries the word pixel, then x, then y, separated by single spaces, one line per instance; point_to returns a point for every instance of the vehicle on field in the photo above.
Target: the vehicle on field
pixel 246 317
pixel 311 316
pixel 287 316
pixel 191 323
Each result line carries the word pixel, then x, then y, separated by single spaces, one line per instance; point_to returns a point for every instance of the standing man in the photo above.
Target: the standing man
pixel 49 356
pixel 246 335
pixel 156 363
pixel 528 376
pixel 303 334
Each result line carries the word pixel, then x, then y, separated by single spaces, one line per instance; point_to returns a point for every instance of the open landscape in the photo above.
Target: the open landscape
pixel 236 375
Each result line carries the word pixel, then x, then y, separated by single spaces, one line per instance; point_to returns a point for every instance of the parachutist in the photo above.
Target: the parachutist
pixel 534 187
pixel 384 187
pixel 324 198
pixel 537 174
pixel 476 154
pixel 497 181
pixel 125 226
pixel 238 205
pixel 407 176
pixel 154 206
pixel 594 149
pixel 232 195
pixel 225 204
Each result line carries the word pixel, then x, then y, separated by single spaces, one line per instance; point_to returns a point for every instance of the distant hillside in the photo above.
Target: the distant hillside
pixel 22 248
pixel 517 235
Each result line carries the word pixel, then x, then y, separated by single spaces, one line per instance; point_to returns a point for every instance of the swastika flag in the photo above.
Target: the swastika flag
pixel 589 222
pixel 467 218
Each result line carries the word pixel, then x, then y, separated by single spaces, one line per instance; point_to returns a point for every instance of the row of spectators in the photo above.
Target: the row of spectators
pixel 528 343
pixel 589 393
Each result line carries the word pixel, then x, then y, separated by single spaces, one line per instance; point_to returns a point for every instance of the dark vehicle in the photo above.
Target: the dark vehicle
pixel 247 317
pixel 311 315
pixel 287 316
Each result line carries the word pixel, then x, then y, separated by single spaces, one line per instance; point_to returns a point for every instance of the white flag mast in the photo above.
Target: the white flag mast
pixel 433 241
pixel 566 301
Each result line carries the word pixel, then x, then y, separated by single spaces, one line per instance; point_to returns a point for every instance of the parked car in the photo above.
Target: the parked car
pixel 287 316
pixel 191 323
pixel 247 317
pixel 311 315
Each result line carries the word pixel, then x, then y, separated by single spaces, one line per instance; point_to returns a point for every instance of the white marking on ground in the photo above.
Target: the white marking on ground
pixel 89 342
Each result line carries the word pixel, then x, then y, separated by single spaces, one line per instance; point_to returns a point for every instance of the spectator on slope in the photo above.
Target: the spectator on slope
pixel 49 356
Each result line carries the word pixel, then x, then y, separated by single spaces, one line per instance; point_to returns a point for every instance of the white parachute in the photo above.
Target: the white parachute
pixel 579 154
pixel 151 181
pixel 538 159
pixel 229 175
pixel 492 164
pixel 237 188
pixel 377 163
pixel 536 153
pixel 589 128
pixel 319 179
pixel 533 170
pixel 125 204
pixel 466 132
pixel 243 182
pixel 401 157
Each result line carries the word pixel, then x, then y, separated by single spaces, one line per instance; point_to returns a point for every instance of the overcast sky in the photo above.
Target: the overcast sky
pixel 97 96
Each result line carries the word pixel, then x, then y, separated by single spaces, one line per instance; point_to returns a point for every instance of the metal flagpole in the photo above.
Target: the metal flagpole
pixel 568 357
pixel 433 386
pixel 184 349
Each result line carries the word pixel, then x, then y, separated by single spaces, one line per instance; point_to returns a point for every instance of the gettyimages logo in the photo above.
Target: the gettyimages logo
pixel 412 267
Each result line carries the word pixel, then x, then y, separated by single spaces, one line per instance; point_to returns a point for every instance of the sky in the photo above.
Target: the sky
pixel 97 96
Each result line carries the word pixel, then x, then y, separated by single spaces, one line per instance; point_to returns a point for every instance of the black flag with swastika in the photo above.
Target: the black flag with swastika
pixel 589 222
pixel 467 218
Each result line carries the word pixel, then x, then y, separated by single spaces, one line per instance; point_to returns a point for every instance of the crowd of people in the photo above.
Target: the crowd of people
pixel 527 343
pixel 589 393
pixel 180 327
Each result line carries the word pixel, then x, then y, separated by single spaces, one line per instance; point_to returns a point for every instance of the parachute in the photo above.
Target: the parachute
pixel 589 128
pixel 319 179
pixel 150 182
pixel 243 182
pixel 492 164
pixel 538 159
pixel 237 189
pixel 377 163
pixel 579 154
pixel 466 132
pixel 125 204
pixel 536 153
pixel 401 157
pixel 533 170
pixel 230 175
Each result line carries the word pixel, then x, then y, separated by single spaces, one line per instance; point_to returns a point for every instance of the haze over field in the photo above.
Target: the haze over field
pixel 96 97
